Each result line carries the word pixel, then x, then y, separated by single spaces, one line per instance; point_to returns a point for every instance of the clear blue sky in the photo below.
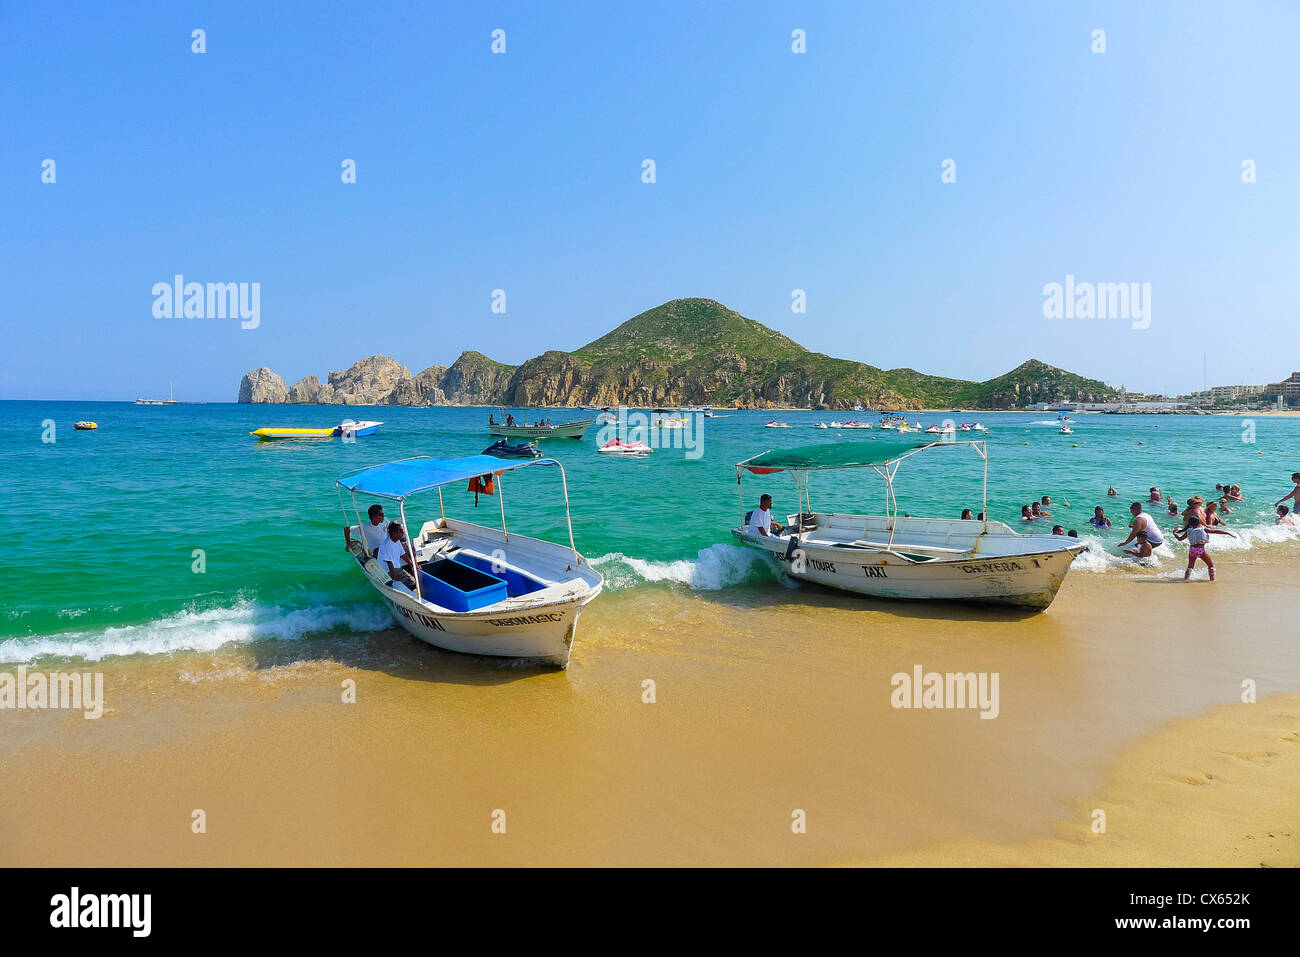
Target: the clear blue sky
pixel 522 171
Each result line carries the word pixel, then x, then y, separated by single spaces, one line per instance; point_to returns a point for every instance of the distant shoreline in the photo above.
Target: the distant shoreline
pixel 1283 413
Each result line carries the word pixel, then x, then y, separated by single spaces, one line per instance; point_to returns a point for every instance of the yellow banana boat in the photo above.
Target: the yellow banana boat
pixel 294 433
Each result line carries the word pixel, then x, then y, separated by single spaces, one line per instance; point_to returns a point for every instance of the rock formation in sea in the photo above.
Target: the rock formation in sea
pixel 262 385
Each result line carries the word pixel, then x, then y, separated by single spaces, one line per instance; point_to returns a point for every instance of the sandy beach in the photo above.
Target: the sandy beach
pixel 1124 696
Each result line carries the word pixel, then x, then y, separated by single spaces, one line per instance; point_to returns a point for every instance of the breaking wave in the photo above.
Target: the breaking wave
pixel 206 630
pixel 712 569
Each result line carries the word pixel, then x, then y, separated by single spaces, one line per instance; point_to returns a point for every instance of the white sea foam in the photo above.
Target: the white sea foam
pixel 1104 556
pixel 713 568
pixel 199 631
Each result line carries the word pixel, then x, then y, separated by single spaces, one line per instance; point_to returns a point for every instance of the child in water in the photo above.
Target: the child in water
pixel 1143 549
pixel 1198 536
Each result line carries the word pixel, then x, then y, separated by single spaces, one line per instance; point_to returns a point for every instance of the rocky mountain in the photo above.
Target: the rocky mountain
pixel 262 385
pixel 684 352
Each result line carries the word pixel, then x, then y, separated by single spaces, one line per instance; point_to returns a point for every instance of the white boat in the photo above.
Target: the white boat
pixel 1066 430
pixel 836 425
pixel 776 425
pixel 855 424
pixel 977 427
pixel 821 425
pixel 887 556
pixel 670 422
pixel 351 428
pixel 615 447
pixel 479 590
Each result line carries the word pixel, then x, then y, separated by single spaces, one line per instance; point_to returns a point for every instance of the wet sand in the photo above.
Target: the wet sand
pixel 1123 696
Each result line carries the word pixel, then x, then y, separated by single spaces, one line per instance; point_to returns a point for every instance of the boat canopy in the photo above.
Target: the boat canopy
pixel 397 480
pixel 840 455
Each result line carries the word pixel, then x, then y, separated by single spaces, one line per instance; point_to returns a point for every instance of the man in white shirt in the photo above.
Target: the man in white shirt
pixel 760 519
pixel 394 554
pixel 1143 523
pixel 373 532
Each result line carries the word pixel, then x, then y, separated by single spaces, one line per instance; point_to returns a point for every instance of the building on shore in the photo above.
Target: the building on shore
pixel 1288 388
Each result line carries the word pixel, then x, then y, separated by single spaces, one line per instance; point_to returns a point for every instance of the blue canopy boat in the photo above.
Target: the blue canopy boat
pixel 476 589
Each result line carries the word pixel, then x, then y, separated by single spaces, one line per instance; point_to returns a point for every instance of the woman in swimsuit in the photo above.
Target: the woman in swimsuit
pixel 1099 518
pixel 1212 517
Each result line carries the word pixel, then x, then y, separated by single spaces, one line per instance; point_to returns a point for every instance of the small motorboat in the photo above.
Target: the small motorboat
pixel 855 424
pixel 350 428
pixel 821 425
pixel 475 589
pixel 615 447
pixel 776 425
pixel 837 425
pixel 978 427
pixel 565 430
pixel 504 450
pixel 85 426
pixel 900 556
pixel 1066 430
pixel 670 422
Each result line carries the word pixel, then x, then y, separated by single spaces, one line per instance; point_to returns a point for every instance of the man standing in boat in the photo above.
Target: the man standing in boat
pixel 760 519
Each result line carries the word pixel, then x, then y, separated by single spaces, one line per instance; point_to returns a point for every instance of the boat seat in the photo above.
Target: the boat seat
pixel 885 546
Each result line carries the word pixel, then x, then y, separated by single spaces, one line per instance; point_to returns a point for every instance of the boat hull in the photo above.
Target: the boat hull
pixel 569 430
pixel 1027 580
pixel 540 628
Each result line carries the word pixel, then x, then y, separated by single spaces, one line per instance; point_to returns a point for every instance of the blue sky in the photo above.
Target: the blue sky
pixel 522 171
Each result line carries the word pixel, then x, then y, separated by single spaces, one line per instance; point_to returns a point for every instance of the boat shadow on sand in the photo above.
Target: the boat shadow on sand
pixel 817 598
pixel 398 654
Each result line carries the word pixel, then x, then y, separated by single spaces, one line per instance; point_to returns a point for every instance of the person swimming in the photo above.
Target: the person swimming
pixel 1143 549
pixel 1026 513
pixel 1038 511
pixel 1283 516
pixel 1099 518
pixel 965 515
pixel 1234 494
pixel 1212 517
pixel 1111 492
pixel 1058 529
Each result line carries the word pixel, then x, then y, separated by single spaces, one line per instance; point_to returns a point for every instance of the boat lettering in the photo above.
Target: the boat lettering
pixel 816 563
pixel 416 616
pixel 875 571
pixel 992 567
pixel 524 620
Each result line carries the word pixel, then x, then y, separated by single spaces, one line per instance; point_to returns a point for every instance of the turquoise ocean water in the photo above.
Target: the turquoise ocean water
pixel 105 525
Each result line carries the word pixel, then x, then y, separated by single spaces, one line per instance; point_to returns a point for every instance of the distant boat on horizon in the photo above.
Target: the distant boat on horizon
pixel 170 400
